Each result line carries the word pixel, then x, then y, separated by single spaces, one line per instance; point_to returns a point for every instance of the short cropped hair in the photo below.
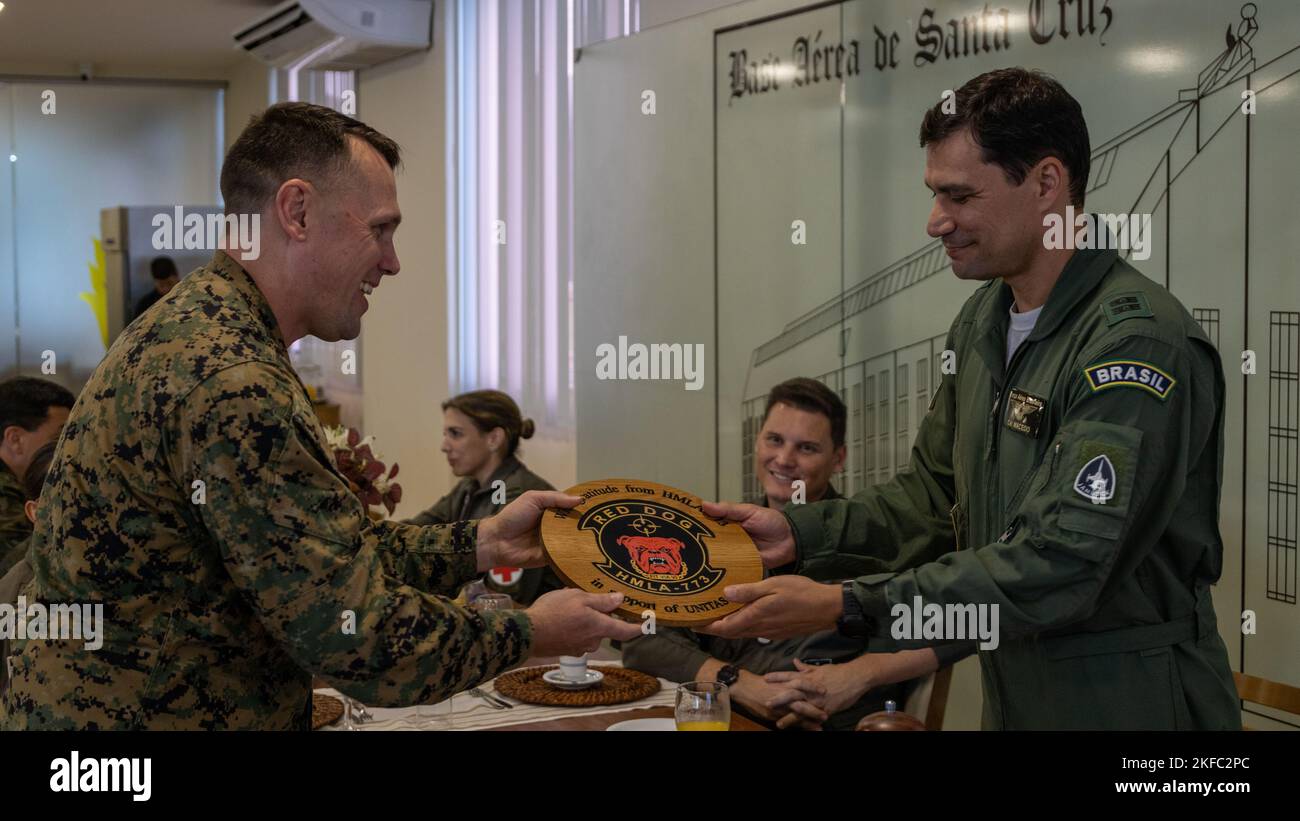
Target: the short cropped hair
pixel 25 401
pixel 1018 117
pixel 291 140
pixel 813 397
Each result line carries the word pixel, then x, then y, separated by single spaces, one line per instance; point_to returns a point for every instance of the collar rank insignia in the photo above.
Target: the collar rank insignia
pixel 1096 481
pixel 1025 412
pixel 1130 373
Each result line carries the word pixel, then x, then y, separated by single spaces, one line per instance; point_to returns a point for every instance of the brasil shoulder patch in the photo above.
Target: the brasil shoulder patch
pixel 1130 373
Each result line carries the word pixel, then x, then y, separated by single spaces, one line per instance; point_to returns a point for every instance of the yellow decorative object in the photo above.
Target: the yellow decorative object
pixel 97 298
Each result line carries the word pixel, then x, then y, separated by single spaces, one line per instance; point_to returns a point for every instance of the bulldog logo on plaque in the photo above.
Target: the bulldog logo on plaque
pixel 653 544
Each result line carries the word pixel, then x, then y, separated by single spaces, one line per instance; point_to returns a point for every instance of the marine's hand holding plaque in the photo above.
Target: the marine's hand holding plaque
pixel 510 538
pixel 565 622
pixel 571 622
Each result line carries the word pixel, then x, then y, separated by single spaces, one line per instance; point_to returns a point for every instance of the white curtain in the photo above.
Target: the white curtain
pixel 510 195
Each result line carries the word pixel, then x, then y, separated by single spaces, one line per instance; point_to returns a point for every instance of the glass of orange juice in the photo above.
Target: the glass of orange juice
pixel 703 705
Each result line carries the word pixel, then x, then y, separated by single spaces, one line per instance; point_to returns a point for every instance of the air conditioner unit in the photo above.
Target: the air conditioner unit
pixel 338 35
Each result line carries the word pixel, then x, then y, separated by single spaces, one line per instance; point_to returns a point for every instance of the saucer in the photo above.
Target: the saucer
pixel 556 678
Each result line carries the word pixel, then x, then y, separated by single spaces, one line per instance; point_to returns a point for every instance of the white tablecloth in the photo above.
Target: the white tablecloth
pixel 466 712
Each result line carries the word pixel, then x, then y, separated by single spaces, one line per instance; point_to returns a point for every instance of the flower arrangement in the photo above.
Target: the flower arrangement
pixel 367 476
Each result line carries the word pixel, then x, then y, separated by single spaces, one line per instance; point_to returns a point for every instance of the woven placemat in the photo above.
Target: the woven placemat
pixel 324 710
pixel 619 687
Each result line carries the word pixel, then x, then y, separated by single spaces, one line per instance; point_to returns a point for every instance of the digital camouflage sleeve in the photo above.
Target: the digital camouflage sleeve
pixel 194 497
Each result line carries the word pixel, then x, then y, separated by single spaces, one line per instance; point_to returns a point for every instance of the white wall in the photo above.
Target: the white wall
pixel 246 94
pixel 403 345
pixel 658 12
pixel 630 279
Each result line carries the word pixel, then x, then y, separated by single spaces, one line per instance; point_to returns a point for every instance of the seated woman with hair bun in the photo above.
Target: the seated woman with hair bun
pixel 480 436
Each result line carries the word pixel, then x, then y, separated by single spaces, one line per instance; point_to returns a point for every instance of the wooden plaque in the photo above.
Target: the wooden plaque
pixel 653 544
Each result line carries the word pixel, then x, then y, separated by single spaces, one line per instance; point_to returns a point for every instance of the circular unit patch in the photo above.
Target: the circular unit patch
pixel 653 544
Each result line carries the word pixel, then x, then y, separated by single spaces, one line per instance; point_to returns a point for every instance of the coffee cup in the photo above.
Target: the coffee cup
pixel 573 668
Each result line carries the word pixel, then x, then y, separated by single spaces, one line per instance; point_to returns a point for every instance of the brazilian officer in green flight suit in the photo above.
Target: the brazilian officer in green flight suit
pixel 1069 469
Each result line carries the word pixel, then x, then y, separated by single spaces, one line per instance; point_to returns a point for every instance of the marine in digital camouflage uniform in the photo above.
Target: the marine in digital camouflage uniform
pixel 222 599
pixel 14 527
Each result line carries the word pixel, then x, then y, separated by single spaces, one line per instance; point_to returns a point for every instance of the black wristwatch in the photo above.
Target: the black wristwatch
pixel 853 622
pixel 727 675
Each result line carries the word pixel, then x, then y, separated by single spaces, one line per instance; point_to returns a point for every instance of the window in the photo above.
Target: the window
pixel 510 195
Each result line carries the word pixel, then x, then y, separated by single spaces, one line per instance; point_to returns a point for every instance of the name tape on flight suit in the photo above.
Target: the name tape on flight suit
pixel 1130 373
pixel 1025 412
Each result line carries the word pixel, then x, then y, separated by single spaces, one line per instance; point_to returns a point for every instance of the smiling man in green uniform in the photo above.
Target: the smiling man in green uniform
pixel 1068 472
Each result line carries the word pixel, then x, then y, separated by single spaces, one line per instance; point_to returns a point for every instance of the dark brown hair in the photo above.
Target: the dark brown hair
pixel 163 268
pixel 494 409
pixel 291 140
pixel 25 401
pixel 814 397
pixel 1018 117
pixel 34 476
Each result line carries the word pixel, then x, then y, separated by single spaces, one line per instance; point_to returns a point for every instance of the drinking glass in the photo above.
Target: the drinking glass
pixel 492 601
pixel 703 705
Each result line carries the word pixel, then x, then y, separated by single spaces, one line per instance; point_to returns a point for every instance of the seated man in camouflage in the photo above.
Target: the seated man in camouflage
pixel 17 577
pixel 801 441
pixel 32 413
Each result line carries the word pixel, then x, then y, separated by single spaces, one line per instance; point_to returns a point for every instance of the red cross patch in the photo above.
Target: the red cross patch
pixel 505 576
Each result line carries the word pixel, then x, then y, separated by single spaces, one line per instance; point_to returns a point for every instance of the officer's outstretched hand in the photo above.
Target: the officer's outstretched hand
pixel 512 537
pixel 779 608
pixel 767 526
pixel 571 622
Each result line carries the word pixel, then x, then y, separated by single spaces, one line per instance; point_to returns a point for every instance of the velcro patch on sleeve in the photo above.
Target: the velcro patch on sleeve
pixel 1130 305
pixel 1130 373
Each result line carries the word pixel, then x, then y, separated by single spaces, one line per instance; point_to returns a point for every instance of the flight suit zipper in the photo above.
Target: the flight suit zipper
pixel 991 479
pixel 994 486
pixel 1020 495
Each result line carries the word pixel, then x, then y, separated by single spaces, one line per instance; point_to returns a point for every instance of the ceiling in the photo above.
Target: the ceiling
pixel 124 37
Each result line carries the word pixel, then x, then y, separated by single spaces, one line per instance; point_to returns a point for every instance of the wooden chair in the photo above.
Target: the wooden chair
pixel 929 699
pixel 1272 694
